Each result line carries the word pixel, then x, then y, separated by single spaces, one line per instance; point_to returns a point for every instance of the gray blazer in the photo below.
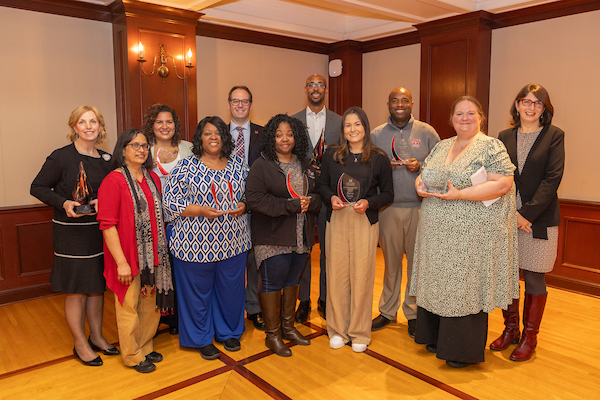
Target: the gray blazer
pixel 333 127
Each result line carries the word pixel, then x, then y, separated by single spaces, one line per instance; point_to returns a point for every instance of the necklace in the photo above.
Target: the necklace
pixel 464 145
pixel 356 156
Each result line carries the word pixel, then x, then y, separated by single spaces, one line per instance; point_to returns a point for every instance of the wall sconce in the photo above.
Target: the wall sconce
pixel 163 71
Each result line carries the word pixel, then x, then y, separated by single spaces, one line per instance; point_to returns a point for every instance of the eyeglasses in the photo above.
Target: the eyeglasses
pixel 237 102
pixel 312 85
pixel 527 103
pixel 403 100
pixel 136 146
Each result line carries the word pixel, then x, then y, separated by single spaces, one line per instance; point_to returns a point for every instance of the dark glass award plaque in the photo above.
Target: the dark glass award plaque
pixel 319 150
pixel 400 149
pixel 223 197
pixel 348 189
pixel 83 193
pixel 293 193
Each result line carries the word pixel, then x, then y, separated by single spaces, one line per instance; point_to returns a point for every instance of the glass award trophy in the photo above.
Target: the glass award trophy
pixel 435 180
pixel 348 189
pixel 223 198
pixel 400 149
pixel 83 193
pixel 293 193
pixel 319 150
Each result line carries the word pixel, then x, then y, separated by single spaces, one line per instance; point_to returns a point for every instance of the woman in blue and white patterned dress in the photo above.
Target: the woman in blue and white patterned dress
pixel 204 201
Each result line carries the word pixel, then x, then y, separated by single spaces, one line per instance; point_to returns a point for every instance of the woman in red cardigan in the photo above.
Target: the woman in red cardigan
pixel 136 261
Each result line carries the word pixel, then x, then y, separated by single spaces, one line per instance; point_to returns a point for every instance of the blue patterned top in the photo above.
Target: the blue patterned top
pixel 200 239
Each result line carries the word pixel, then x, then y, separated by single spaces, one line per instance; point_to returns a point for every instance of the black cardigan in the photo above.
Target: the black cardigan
pixel 378 190
pixel 540 178
pixel 273 211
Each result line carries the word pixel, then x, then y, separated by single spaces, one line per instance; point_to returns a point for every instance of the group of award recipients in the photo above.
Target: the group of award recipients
pixel 171 226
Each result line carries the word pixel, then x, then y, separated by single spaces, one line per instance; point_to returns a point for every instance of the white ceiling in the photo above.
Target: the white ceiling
pixel 331 21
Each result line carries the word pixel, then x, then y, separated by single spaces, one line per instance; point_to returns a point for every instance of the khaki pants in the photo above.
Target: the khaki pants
pixel 397 234
pixel 351 247
pixel 137 320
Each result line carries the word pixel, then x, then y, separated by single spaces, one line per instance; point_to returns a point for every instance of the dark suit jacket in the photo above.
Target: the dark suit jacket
pixel 333 127
pixel 256 132
pixel 541 175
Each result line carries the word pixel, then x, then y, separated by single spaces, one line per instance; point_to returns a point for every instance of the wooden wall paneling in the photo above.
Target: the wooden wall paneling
pixel 68 8
pixel 26 252
pixel 154 25
pixel 577 264
pixel 345 91
pixel 455 61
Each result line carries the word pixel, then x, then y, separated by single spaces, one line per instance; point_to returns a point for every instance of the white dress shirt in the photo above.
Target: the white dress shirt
pixel 315 122
pixel 234 133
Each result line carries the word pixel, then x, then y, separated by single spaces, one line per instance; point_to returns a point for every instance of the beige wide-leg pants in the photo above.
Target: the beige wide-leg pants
pixel 351 248
pixel 137 320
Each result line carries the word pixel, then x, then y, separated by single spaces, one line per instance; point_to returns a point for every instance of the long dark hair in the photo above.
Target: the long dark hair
pixel 150 117
pixel 301 144
pixel 124 139
pixel 542 94
pixel 342 150
pixel 221 126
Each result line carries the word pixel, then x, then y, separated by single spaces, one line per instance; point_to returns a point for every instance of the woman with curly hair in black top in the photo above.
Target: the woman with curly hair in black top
pixel 281 193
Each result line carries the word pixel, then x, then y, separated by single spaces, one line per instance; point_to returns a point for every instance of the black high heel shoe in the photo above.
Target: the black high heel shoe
pixel 113 351
pixel 96 362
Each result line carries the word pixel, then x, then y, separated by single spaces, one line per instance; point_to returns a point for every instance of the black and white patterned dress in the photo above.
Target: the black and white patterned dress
pixel 78 254
pixel 537 255
pixel 466 253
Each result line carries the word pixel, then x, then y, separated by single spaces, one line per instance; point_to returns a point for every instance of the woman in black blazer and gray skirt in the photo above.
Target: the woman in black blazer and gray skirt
pixel 537 149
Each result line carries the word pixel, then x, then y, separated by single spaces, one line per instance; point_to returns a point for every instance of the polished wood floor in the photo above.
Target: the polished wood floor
pixel 36 361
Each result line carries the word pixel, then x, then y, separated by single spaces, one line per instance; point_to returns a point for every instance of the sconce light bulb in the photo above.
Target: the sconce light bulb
pixel 141 50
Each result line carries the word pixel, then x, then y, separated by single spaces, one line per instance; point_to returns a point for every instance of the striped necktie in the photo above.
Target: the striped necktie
pixel 239 146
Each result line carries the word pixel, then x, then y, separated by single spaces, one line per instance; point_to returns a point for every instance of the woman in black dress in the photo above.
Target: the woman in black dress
pixel 78 257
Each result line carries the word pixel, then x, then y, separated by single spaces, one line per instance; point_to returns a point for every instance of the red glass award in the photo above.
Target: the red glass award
pixel 348 189
pixel 400 149
pixel 319 150
pixel 223 197
pixel 293 193
pixel 83 193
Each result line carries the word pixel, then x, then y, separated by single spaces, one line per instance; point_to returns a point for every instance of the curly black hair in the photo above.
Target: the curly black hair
pixel 150 117
pixel 301 140
pixel 222 127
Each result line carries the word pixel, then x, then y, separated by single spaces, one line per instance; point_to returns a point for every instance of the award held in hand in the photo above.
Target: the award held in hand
pixel 400 149
pixel 223 198
pixel 348 189
pixel 83 193
pixel 319 150
pixel 293 193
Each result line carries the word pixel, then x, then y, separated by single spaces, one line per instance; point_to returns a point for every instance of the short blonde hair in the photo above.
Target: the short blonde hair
pixel 77 113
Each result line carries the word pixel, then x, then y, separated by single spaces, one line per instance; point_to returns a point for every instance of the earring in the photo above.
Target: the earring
pixel 517 113
pixel 542 116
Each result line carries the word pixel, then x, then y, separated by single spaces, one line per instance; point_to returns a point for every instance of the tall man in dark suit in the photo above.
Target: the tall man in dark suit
pixel 239 103
pixel 319 120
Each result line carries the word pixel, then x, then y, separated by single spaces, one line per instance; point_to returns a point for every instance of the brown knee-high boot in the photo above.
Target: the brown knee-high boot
pixel 288 314
pixel 270 304
pixel 532 317
pixel 511 332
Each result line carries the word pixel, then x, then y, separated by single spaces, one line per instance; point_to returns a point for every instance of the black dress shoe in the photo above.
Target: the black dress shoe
pixel 209 352
pixel 412 326
pixel 303 311
pixel 113 351
pixel 379 323
pixel 154 357
pixel 173 330
pixel 145 366
pixel 321 308
pixel 257 320
pixel 96 362
pixel 432 348
pixel 231 344
pixel 457 364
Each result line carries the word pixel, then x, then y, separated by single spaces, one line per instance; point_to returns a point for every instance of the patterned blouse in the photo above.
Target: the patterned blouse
pixel 200 239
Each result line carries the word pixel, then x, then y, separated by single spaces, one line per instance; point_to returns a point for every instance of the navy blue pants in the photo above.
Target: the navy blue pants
pixel 281 271
pixel 210 297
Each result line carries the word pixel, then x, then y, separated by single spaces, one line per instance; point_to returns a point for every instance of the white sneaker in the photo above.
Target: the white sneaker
pixel 358 348
pixel 336 342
